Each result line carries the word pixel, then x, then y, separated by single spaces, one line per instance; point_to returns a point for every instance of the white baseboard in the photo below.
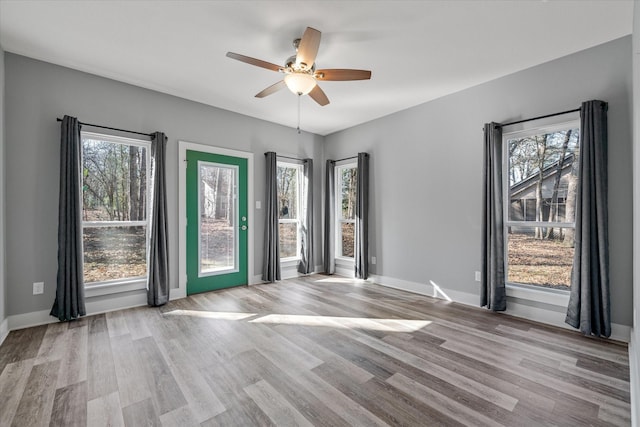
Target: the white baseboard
pixel 346 272
pixel 289 272
pixel 177 293
pixel 286 273
pixel 537 314
pixel 4 330
pixel 634 377
pixel 98 306
pixel 27 320
pixel 430 289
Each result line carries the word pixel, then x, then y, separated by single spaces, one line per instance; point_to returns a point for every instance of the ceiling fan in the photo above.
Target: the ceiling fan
pixel 301 76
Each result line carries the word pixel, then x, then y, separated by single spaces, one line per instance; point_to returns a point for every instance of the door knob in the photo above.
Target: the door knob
pixel 244 218
pixel 244 227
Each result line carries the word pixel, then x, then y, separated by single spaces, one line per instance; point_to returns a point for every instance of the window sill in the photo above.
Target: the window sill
pixel 114 287
pixel 289 262
pixel 345 262
pixel 545 296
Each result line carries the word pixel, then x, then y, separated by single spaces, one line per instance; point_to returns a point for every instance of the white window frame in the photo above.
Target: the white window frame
pixel 297 221
pixel 129 283
pixel 520 290
pixel 338 209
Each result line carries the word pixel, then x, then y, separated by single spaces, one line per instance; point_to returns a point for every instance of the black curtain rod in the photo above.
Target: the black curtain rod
pixel 287 157
pixel 346 158
pixel 539 117
pixel 107 127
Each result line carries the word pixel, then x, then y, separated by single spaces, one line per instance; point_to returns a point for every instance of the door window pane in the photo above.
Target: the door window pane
pixel 217 202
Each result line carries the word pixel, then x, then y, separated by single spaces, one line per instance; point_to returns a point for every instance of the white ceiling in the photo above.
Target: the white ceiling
pixel 417 50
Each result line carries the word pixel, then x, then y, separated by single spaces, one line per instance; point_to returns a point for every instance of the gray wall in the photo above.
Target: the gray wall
pixel 3 287
pixel 38 92
pixel 426 168
pixel 424 159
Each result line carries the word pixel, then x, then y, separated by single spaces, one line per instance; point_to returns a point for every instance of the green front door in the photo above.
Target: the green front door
pixel 216 221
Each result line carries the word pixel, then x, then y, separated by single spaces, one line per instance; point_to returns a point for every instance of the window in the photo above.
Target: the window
pixel 541 179
pixel 115 192
pixel 289 196
pixel 346 180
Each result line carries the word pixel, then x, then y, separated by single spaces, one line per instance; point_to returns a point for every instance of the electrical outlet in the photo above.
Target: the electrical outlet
pixel 38 288
pixel 478 278
pixel 373 260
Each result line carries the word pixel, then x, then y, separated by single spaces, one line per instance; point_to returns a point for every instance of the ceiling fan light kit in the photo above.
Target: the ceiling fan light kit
pixel 300 72
pixel 300 83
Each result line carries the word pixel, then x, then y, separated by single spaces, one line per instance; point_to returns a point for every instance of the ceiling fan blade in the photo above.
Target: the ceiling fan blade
pixel 308 48
pixel 271 89
pixel 319 96
pixel 254 61
pixel 342 74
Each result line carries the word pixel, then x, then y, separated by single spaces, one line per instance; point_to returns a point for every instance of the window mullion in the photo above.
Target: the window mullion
pixel 540 224
pixel 87 224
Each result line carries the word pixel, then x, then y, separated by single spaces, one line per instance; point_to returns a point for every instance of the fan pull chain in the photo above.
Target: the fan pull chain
pixel 299 96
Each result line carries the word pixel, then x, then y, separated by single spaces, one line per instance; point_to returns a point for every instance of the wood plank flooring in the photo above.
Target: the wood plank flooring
pixel 314 351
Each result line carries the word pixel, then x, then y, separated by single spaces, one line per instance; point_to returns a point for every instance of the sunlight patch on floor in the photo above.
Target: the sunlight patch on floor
pixel 372 324
pixel 219 315
pixel 386 325
pixel 336 280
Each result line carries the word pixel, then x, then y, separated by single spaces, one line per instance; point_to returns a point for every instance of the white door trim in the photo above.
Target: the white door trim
pixel 183 146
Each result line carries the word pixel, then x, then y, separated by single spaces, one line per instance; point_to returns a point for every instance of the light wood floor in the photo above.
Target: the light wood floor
pixel 314 351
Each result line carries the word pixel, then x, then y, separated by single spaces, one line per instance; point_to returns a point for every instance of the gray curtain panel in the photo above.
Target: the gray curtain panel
pixel 329 259
pixel 271 261
pixel 305 266
pixel 589 303
pixel 361 255
pixel 158 281
pixel 69 302
pixel 492 289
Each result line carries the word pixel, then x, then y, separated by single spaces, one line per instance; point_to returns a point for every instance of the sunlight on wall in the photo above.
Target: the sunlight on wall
pixel 438 292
